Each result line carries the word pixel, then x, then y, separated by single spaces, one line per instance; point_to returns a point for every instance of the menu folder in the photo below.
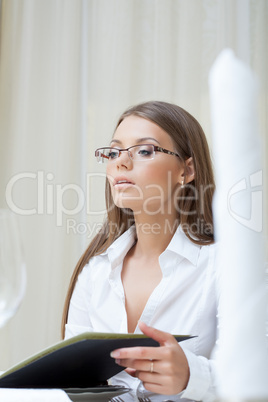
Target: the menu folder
pixel 79 362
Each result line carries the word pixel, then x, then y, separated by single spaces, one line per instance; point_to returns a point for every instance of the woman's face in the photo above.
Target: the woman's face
pixel 145 186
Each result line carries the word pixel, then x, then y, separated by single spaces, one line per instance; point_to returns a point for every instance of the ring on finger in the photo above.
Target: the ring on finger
pixel 152 366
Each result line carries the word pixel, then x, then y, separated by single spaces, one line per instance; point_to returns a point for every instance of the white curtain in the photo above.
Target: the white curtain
pixel 68 68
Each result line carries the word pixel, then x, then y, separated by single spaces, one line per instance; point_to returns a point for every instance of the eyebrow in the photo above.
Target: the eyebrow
pixel 138 141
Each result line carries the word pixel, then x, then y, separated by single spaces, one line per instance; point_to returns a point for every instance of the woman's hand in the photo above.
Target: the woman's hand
pixel 163 369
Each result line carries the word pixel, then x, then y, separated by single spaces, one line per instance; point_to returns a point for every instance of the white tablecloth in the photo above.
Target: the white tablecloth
pixel 33 395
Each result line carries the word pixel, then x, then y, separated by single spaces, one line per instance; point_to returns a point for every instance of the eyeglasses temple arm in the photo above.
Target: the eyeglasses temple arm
pixel 166 151
pixel 99 154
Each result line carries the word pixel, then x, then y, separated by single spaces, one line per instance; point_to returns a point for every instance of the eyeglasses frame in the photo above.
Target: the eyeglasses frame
pixel 155 147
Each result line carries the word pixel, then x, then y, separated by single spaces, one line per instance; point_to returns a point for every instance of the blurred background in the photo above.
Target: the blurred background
pixel 68 69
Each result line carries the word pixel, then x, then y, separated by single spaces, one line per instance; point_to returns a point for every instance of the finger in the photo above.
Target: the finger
pixel 131 372
pixel 137 352
pixel 152 378
pixel 145 353
pixel 140 365
pixel 163 338
pixel 155 388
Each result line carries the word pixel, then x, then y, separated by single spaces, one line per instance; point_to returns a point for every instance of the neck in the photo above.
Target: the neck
pixel 154 233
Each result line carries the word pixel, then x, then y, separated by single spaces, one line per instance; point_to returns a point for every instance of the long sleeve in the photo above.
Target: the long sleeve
pixel 78 315
pixel 201 385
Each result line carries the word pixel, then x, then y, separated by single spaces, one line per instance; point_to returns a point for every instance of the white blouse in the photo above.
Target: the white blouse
pixel 184 302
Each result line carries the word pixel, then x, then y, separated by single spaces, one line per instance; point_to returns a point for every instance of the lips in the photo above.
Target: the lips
pixel 122 180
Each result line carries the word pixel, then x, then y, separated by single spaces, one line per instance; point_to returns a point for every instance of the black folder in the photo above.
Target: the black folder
pixel 79 362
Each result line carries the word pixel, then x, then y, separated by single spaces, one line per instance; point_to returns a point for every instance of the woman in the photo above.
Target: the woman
pixel 151 268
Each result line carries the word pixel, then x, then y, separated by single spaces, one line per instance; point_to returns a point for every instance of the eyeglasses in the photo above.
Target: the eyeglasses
pixel 142 152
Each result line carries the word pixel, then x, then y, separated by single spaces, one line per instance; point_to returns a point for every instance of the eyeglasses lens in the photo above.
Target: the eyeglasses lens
pixel 143 152
pixel 136 153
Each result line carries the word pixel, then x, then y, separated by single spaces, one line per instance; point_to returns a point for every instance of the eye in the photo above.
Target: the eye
pixel 112 154
pixel 146 151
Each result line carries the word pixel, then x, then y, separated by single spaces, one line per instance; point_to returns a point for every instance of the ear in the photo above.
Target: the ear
pixel 188 173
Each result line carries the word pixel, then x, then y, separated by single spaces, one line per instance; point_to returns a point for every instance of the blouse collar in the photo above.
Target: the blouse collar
pixel 180 244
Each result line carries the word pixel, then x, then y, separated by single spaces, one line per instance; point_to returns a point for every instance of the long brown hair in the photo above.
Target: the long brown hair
pixel 194 200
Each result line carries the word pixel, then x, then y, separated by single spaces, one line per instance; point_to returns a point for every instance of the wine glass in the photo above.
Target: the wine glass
pixel 12 266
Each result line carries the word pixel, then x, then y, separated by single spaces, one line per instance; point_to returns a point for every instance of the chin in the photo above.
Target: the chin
pixel 128 206
pixel 123 201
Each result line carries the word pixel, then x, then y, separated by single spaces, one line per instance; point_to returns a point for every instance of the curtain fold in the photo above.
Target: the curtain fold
pixel 43 106
pixel 68 68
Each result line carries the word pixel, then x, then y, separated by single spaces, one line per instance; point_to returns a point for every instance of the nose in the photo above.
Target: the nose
pixel 124 160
